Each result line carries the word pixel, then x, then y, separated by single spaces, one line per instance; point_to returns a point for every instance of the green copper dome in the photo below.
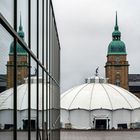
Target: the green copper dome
pixel 116 33
pixel 116 46
pixel 20 50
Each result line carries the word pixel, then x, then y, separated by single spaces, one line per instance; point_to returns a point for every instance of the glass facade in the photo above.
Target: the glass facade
pixel 29 71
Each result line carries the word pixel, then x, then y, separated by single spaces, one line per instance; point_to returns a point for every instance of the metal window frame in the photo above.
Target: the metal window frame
pixel 49 76
pixel 37 53
pixel 8 27
pixel 15 73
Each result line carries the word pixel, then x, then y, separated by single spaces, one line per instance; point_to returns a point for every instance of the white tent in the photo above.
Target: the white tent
pixel 6 105
pixel 99 105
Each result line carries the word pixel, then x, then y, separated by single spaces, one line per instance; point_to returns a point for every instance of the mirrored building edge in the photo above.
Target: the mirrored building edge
pixel 47 66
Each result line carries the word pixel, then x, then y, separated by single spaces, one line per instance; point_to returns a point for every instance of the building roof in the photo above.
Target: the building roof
pixel 3 82
pixel 98 95
pixel 134 83
pixel 3 78
pixel 134 77
pixel 116 47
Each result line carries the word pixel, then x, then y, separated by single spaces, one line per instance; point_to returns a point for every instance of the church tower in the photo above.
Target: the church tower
pixel 116 68
pixel 22 64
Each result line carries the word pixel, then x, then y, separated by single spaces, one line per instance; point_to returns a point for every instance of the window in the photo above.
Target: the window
pixel 117 82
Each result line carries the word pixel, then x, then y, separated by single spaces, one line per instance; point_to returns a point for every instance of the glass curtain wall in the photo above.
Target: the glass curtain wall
pixel 29 71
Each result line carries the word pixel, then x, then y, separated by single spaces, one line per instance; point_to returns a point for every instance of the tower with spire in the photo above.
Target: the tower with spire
pixel 116 68
pixel 22 64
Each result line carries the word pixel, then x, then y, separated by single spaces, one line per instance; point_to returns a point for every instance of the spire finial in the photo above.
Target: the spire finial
pixel 20 18
pixel 20 32
pixel 116 23
pixel 116 19
pixel 20 26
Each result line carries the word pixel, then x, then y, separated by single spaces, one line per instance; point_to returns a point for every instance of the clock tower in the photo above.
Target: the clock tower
pixel 22 61
pixel 116 68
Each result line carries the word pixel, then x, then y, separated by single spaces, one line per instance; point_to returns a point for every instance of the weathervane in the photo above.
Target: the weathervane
pixel 97 70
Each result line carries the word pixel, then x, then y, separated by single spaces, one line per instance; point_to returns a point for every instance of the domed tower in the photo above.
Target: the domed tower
pixel 116 68
pixel 21 61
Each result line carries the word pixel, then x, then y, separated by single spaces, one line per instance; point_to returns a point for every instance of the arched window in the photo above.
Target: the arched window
pixel 117 82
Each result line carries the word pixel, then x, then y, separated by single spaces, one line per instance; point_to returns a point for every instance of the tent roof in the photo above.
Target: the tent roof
pixel 98 95
pixel 6 97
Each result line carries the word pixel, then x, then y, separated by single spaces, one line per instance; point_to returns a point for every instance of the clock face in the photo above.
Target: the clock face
pixel 117 59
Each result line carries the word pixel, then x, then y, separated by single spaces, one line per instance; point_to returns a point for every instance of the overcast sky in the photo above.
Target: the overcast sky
pixel 85 30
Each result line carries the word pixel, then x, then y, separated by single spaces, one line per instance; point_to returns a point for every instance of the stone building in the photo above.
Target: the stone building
pixel 134 84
